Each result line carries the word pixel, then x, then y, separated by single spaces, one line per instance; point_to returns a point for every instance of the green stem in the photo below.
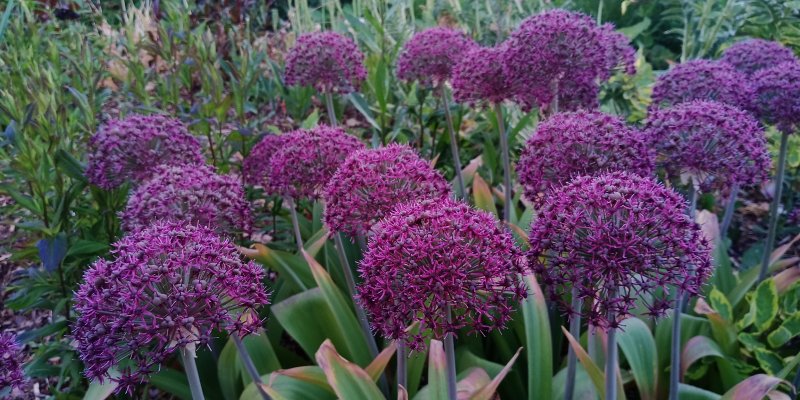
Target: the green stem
pixel 774 207
pixel 504 153
pixel 188 355
pixel 248 365
pixel 462 191
pixel 331 110
pixel 611 361
pixel 575 331
pixel 675 348
pixel 450 352
pixel 295 223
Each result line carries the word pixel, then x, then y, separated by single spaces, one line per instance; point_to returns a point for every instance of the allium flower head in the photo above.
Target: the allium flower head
pixel 193 194
pixel 615 238
pixel 568 145
pixel 426 258
pixel 369 184
pixel 128 149
pixel 703 80
pixel 307 160
pixel 479 76
pixel 11 359
pixel 256 166
pixel 328 61
pixel 778 95
pixel 557 51
pixel 751 55
pixel 716 144
pixel 169 286
pixel 430 55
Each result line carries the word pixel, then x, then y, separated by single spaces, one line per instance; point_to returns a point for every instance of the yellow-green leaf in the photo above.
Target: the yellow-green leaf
pixel 765 303
pixel 483 195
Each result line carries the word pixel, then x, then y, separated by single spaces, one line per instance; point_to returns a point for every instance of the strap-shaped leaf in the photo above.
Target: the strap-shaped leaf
pixel 347 379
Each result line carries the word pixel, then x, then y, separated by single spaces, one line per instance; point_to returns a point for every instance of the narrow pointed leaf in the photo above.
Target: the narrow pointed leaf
pixel 378 365
pixel 639 348
pixel 437 371
pixel 488 391
pixel 595 373
pixel 538 342
pixel 347 379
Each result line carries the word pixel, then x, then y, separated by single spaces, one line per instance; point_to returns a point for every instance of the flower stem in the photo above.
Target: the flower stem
pixel 362 242
pixel 330 109
pixel 773 210
pixel 402 371
pixel 675 348
pixel 462 191
pixel 188 355
pixel 728 216
pixel 450 352
pixel 295 223
pixel 611 361
pixel 248 365
pixel 504 154
pixel 575 331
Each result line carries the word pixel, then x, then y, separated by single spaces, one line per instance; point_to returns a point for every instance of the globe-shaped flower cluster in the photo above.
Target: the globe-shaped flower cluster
pixel 616 238
pixel 430 55
pixel 717 145
pixel 11 358
pixel 480 77
pixel 191 194
pixel 777 92
pixel 442 264
pixel 751 55
pixel 128 149
pixel 307 160
pixel 568 145
pixel 169 286
pixel 703 80
pixel 369 184
pixel 562 53
pixel 327 61
pixel 255 166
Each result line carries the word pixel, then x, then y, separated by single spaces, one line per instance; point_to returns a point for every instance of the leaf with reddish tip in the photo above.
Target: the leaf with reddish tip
pixel 483 195
pixel 347 379
pixel 310 374
pixel 376 367
pixel 402 393
pixel 315 243
pixel 437 371
pixel 594 372
pixel 696 348
pixel 476 379
pixel 754 388
pixel 487 392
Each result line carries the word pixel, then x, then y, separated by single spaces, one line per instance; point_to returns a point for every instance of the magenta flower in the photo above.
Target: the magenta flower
pixel 716 144
pixel 479 76
pixel 568 145
pixel 308 160
pixel 703 80
pixel 256 166
pixel 169 286
pixel 128 149
pixel 430 56
pixel 778 95
pixel 751 55
pixel 192 194
pixel 427 259
pixel 554 52
pixel 617 238
pixel 369 184
pixel 328 61
pixel 11 360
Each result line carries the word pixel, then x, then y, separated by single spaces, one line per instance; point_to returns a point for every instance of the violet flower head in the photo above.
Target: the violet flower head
pixel 617 238
pixel 128 149
pixel 427 259
pixel 717 145
pixel 703 80
pixel 751 55
pixel 778 95
pixel 327 61
pixel 190 194
pixel 256 166
pixel 308 160
pixel 169 286
pixel 556 51
pixel 479 77
pixel 11 360
pixel 371 182
pixel 568 145
pixel 430 55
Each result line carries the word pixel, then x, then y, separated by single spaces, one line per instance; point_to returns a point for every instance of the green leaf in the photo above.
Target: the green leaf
pixel 437 371
pixel 172 382
pixel 636 29
pixel 100 391
pixel 788 329
pixel 487 392
pixel 83 248
pixel 791 299
pixel 768 361
pixel 483 195
pixel 71 166
pixel 697 348
pixel 287 387
pixel 584 389
pixel 689 392
pixel 753 388
pixel 347 379
pixel 311 121
pixel 362 107
pixel 378 365
pixel 538 342
pixel 595 373
pixel 227 373
pixel 289 266
pixel 719 302
pixel 765 305
pixel 639 348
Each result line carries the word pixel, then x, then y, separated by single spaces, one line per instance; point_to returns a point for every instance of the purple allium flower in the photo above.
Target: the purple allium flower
pixel 170 285
pixel 11 360
pixel 307 160
pixel 581 143
pixel 371 182
pixel 193 193
pixel 616 238
pixel 479 76
pixel 716 144
pixel 426 258
pixel 430 56
pixel 778 95
pixel 703 80
pixel 128 149
pixel 556 51
pixel 256 166
pixel 751 55
pixel 328 61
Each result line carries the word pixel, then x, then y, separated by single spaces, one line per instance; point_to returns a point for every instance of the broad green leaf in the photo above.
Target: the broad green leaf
pixel 595 373
pixel 347 379
pixel 584 388
pixel 753 388
pixel 289 266
pixel 720 304
pixel 689 392
pixel 791 299
pixel 173 382
pixel 764 305
pixel 487 392
pixel 750 341
pixel 101 391
pixel 639 348
pixel 538 342
pixel 378 365
pixel 697 348
pixel 722 329
pixel 227 373
pixel 232 375
pixel 437 371
pixel 284 386
pixel 483 195
pixel 770 362
pixel 788 330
